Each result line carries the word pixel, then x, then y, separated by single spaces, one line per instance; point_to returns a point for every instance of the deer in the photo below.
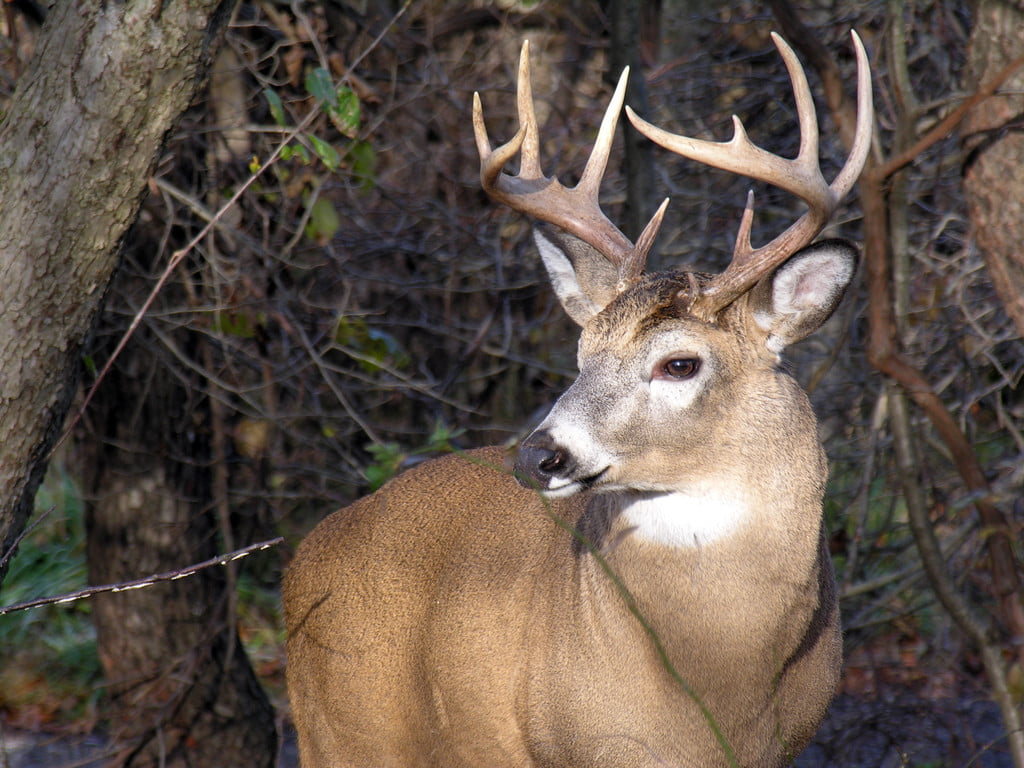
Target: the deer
pixel 650 585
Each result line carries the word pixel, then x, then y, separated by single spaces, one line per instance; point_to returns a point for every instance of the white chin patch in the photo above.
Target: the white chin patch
pixel 686 519
pixel 560 487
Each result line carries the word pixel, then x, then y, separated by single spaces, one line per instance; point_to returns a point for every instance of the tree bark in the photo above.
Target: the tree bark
pixel 81 135
pixel 994 139
pixel 181 690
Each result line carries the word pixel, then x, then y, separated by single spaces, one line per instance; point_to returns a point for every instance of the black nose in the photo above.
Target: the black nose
pixel 539 459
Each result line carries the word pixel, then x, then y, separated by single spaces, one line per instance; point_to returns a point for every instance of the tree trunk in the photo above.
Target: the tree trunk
pixel 182 692
pixel 108 81
pixel 994 140
pixel 81 135
pixel 627 19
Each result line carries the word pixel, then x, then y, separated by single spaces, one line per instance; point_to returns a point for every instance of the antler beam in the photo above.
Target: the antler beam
pixel 801 176
pixel 577 210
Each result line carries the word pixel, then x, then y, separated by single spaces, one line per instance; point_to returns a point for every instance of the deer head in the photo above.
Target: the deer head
pixel 657 353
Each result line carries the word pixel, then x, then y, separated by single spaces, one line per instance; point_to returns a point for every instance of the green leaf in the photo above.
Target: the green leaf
pixel 295 150
pixel 370 347
pixel 345 111
pixel 387 460
pixel 328 155
pixel 321 87
pixel 363 161
pixel 233 324
pixel 340 103
pixel 324 220
pixel 276 107
pixel 440 439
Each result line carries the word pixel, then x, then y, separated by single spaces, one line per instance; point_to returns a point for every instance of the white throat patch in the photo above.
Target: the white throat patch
pixel 686 519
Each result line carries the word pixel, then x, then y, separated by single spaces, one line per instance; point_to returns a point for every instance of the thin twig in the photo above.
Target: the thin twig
pixel 22 536
pixel 945 126
pixel 145 581
pixel 976 628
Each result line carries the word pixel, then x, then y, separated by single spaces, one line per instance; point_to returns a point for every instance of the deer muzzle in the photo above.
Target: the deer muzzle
pixel 543 464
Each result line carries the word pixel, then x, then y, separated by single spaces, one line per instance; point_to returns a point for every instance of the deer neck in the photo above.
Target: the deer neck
pixel 722 555
pixel 734 606
pixel 689 519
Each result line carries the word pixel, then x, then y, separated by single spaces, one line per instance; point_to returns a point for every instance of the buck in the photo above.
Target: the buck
pixel 655 590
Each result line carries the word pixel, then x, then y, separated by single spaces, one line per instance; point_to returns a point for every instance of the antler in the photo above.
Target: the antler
pixel 577 209
pixel 801 176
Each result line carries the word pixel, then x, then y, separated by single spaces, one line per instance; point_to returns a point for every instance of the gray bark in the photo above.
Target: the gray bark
pixel 994 140
pixel 180 688
pixel 81 135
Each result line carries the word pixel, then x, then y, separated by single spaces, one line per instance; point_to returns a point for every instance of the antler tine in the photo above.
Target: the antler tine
pixel 847 177
pixel 634 265
pixel 492 161
pixel 529 161
pixel 590 182
pixel 800 176
pixel 576 210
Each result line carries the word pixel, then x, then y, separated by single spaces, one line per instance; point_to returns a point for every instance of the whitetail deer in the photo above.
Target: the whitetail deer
pixel 447 620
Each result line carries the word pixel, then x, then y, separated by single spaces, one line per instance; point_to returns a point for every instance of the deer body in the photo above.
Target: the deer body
pixel 517 650
pixel 458 618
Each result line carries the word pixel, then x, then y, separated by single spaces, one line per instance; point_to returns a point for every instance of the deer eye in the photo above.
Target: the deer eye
pixel 678 368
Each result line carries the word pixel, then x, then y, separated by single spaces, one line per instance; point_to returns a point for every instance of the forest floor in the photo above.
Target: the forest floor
pixel 893 730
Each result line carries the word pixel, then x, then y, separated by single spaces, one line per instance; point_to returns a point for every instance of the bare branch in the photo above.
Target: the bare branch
pixel 145 581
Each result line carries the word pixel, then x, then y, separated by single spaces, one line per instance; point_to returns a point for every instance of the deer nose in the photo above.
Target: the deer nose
pixel 539 459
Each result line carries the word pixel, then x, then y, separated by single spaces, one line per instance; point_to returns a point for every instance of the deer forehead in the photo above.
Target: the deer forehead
pixel 649 318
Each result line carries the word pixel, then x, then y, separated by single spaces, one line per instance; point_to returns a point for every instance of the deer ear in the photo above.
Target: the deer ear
pixel 797 299
pixel 583 279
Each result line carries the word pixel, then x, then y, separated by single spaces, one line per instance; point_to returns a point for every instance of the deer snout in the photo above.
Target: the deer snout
pixel 540 459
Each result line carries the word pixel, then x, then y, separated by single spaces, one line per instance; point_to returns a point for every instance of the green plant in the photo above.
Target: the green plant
pixel 388 458
pixel 341 106
pixel 52 667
